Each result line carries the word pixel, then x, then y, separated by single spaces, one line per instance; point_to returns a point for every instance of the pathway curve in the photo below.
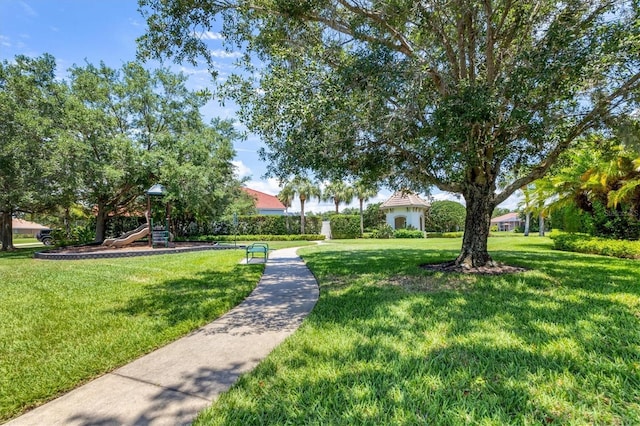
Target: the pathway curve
pixel 171 385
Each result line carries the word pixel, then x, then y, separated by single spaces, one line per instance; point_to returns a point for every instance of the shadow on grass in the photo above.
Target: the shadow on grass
pixel 205 297
pixel 557 344
pixel 20 253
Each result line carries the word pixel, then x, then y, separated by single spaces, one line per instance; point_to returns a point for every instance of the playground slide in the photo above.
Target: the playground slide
pixel 129 237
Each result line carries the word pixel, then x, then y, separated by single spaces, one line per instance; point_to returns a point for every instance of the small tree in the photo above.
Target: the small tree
pixel 305 189
pixel 363 192
pixel 445 216
pixel 338 192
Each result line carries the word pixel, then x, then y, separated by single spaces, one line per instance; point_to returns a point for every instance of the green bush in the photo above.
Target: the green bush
pixel 582 243
pixel 444 234
pixel 231 238
pixel 276 225
pixel 345 226
pixel 383 231
pixel 408 233
pixel 79 235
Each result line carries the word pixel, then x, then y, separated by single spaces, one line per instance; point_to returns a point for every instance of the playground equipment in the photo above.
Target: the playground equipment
pixel 128 237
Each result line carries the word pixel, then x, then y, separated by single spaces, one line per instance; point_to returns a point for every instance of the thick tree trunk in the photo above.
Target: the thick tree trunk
pixel 101 224
pixel 541 226
pixel 474 251
pixel 7 231
pixel 527 221
pixel 337 203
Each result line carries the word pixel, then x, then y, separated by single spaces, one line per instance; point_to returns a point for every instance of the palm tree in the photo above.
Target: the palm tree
pixel 363 193
pixel 305 189
pixel 593 180
pixel 338 192
pixel 286 197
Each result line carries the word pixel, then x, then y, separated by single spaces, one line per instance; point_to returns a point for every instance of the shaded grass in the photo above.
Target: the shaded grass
pixel 65 322
pixel 389 343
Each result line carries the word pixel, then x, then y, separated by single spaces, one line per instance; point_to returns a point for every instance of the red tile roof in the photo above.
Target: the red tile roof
pixel 265 201
pixel 25 224
pixel 509 217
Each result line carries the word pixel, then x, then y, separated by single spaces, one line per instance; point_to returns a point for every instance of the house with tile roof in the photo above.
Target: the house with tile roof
pixel 507 222
pixel 404 210
pixel 265 203
pixel 21 226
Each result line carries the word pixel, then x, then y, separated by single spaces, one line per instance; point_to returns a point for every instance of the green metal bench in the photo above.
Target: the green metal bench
pixel 256 249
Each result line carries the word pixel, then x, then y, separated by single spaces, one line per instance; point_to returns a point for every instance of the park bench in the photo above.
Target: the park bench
pixel 258 248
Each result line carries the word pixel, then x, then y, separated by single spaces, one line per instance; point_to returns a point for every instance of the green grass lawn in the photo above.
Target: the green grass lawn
pixel 389 343
pixel 65 322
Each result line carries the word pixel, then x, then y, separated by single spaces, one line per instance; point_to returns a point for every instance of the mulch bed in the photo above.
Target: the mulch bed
pixel 137 246
pixel 493 269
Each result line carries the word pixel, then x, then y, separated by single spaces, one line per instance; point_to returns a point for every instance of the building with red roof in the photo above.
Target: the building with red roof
pixel 507 222
pixel 265 203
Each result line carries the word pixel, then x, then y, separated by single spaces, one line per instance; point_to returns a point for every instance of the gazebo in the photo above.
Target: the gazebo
pixel 404 210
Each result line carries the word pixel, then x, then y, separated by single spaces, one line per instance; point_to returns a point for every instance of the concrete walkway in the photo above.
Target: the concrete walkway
pixel 171 385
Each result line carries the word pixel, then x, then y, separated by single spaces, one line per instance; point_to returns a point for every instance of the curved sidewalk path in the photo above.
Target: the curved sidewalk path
pixel 172 384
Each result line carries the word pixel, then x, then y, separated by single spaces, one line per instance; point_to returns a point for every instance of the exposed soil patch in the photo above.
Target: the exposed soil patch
pixel 493 269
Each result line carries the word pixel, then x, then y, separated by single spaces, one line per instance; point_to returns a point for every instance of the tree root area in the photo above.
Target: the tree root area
pixel 492 268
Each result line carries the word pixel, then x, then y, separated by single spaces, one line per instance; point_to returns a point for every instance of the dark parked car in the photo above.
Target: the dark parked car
pixel 44 236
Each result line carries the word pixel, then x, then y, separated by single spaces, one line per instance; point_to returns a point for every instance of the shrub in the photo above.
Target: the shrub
pixel 444 234
pixel 79 235
pixel 345 226
pixel 408 233
pixel 383 231
pixel 251 225
pixel 582 243
pixel 231 238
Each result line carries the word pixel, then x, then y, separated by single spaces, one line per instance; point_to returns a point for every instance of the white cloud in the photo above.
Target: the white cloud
pixel 219 53
pixel 28 9
pixel 512 202
pixel 194 71
pixel 270 186
pixel 5 41
pixel 241 169
pixel 209 35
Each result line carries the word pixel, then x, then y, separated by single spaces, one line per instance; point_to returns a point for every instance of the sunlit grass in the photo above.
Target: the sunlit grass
pixel 390 343
pixel 64 322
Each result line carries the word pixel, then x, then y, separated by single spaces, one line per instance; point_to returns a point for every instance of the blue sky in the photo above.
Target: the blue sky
pixel 80 31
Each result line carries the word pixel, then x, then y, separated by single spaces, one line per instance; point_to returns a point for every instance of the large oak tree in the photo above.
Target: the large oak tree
pixel 474 97
pixel 31 117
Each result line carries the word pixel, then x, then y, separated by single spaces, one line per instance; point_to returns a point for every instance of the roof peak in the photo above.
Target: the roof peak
pixel 404 199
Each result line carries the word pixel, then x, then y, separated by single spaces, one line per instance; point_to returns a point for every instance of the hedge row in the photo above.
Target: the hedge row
pixel 408 233
pixel 277 225
pixel 583 243
pixel 444 234
pixel 345 226
pixel 231 238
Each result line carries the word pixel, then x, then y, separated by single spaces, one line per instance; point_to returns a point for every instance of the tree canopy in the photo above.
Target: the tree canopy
pixel 103 137
pixel 474 97
pixel 445 216
pixel 31 120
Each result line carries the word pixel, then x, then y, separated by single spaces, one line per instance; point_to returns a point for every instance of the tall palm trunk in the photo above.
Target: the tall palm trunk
pixel 361 217
pixel 302 200
pixel 527 221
